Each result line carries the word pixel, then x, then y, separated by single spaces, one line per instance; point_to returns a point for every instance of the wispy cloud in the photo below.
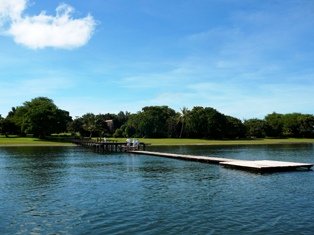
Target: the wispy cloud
pixel 16 92
pixel 41 31
pixel 11 10
pixel 30 88
pixel 169 78
pixel 238 101
pixel 228 86
pixel 271 35
pixel 79 105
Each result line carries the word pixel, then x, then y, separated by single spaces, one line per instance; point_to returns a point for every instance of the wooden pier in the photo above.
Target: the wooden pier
pixel 109 146
pixel 261 166
pixel 255 166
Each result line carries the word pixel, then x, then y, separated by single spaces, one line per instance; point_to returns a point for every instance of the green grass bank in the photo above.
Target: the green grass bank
pixel 172 141
pixel 30 141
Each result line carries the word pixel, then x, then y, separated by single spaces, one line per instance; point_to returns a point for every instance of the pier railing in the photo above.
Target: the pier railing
pixel 107 146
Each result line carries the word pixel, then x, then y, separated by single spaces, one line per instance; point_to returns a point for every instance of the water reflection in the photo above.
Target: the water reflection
pixel 36 167
pixel 285 152
pixel 75 191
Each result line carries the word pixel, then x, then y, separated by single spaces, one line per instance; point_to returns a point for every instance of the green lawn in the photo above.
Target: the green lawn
pixel 29 141
pixel 172 141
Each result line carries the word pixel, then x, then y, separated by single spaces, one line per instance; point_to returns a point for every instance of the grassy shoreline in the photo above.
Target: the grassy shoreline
pixel 174 142
pixel 29 141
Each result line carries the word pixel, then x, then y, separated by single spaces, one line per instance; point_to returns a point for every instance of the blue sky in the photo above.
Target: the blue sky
pixel 244 58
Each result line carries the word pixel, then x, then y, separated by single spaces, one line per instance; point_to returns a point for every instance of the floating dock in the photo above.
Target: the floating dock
pixel 267 165
pixel 261 166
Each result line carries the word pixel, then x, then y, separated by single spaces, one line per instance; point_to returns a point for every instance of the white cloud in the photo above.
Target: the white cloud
pixel 41 31
pixel 11 10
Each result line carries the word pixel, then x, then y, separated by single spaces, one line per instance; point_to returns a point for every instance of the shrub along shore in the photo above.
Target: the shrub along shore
pixel 30 141
pixel 41 118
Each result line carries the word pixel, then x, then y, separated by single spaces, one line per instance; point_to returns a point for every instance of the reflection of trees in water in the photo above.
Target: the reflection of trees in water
pixel 155 169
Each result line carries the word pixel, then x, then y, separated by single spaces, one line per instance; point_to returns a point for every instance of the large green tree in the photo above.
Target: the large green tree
pixel 289 125
pixel 255 128
pixel 206 123
pixel 235 128
pixel 76 127
pixel 306 126
pixel 1 123
pixel 274 123
pixel 152 122
pixel 40 117
pixel 89 123
pixel 298 125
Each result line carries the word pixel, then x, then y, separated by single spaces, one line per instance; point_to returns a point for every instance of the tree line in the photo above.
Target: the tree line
pixel 41 118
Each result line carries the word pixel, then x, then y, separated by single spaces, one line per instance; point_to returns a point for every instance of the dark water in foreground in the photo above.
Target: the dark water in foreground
pixel 74 191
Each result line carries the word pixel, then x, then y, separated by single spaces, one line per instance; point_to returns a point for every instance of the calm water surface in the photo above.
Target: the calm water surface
pixel 73 191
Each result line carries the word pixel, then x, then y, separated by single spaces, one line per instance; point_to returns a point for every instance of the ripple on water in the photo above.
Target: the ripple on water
pixel 73 191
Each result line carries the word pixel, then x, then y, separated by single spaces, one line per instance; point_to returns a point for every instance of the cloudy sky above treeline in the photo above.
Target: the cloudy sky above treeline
pixel 244 58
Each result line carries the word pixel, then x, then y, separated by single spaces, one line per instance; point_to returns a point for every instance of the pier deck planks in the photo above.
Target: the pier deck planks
pixel 215 160
pixel 257 166
pixel 267 165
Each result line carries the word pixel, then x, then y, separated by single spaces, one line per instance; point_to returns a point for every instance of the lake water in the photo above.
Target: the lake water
pixel 71 190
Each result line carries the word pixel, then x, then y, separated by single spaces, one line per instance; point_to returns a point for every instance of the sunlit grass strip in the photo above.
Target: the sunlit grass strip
pixel 28 141
pixel 172 141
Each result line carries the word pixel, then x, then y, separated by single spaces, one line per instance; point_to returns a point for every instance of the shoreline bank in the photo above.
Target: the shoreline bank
pixel 22 142
pixel 202 142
